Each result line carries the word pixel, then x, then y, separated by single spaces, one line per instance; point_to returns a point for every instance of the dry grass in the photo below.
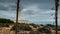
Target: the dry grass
pixel 6 30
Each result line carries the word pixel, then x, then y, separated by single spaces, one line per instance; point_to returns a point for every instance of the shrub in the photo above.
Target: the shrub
pixel 44 30
pixel 3 20
pixel 34 25
pixel 41 25
pixel 50 25
pixel 24 27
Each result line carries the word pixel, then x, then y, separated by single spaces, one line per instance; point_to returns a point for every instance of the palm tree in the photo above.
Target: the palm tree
pixel 17 16
pixel 56 14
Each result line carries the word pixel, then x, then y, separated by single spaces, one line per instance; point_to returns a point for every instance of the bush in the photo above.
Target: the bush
pixel 3 20
pixel 34 25
pixel 44 30
pixel 41 25
pixel 50 25
pixel 24 27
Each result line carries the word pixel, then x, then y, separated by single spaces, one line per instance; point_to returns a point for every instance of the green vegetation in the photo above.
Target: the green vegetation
pixel 50 25
pixel 5 22
pixel 44 30
pixel 41 25
pixel 21 26
pixel 34 25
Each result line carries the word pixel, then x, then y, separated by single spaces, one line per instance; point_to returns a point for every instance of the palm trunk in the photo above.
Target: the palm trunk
pixel 56 15
pixel 17 16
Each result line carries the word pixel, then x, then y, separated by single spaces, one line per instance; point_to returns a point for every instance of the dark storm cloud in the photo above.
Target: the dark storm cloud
pixel 13 6
pixel 7 1
pixel 29 12
pixel 8 6
pixel 43 4
pixel 23 3
pixel 37 1
pixel 2 7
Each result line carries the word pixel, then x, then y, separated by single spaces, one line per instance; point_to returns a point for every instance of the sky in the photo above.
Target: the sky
pixel 35 11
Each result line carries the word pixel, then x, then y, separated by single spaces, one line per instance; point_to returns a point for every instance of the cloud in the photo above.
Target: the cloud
pixel 43 4
pixel 8 14
pixel 36 11
pixel 7 1
pixel 7 6
pixel 2 7
pixel 35 14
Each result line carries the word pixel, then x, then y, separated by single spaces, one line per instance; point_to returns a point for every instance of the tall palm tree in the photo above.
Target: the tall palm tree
pixel 56 14
pixel 17 16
